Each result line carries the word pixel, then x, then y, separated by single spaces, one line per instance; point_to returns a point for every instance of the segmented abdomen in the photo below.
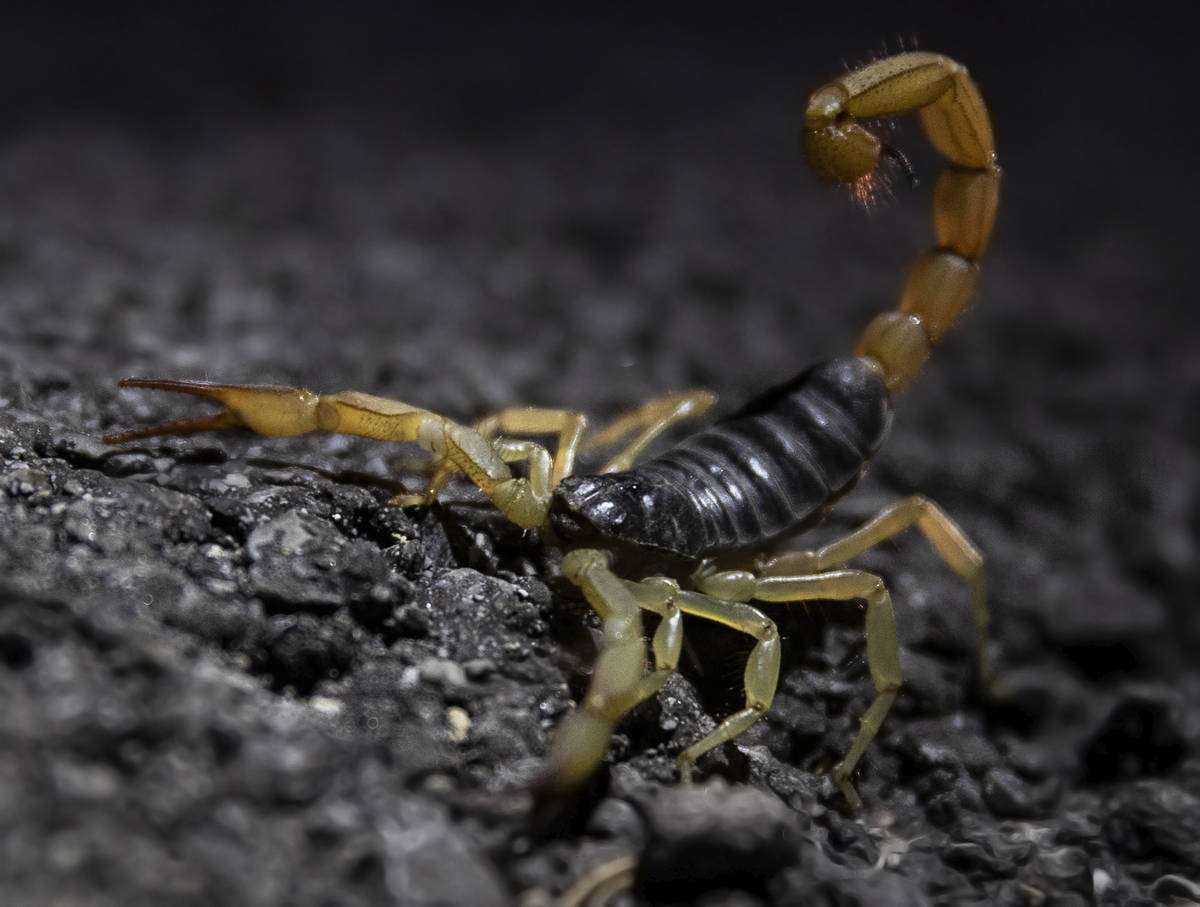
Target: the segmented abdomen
pixel 773 467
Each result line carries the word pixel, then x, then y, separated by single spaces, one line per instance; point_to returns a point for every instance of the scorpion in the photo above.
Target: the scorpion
pixel 707 506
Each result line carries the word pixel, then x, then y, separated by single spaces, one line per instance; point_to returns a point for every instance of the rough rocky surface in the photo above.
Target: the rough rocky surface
pixel 229 674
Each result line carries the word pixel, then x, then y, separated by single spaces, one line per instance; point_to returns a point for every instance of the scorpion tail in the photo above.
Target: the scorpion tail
pixel 956 122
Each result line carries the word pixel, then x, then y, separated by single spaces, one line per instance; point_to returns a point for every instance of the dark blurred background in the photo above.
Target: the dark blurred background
pixel 1112 79
pixel 1089 101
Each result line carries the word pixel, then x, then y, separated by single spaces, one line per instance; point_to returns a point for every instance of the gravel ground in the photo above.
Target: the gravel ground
pixel 230 675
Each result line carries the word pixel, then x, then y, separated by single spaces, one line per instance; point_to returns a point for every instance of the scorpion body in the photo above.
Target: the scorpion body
pixel 775 467
pixel 771 469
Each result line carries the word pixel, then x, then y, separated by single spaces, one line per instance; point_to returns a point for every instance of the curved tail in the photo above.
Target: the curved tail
pixel 956 121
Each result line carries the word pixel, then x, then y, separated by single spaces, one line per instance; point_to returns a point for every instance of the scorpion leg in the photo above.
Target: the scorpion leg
pixel 620 681
pixel 280 410
pixel 761 674
pixel 646 423
pixel 658 594
pixel 567 424
pixel 602 884
pixel 582 738
pixel 883 647
pixel 760 678
pixel 619 678
pixel 947 539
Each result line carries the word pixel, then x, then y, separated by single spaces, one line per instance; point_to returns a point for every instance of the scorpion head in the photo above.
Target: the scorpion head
pixel 612 509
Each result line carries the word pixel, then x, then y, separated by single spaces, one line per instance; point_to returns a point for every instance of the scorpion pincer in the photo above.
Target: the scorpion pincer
pixel 772 469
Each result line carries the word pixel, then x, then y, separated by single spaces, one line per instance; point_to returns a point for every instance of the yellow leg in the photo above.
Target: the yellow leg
pixel 620 681
pixel 646 423
pixel 760 677
pixel 279 410
pixel 581 739
pixel 658 594
pixel 566 424
pixel 807 575
pixel 883 647
pixel 619 678
pixel 947 539
pixel 602 884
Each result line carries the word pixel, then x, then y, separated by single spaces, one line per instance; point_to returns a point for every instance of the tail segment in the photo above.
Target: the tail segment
pixel 956 121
